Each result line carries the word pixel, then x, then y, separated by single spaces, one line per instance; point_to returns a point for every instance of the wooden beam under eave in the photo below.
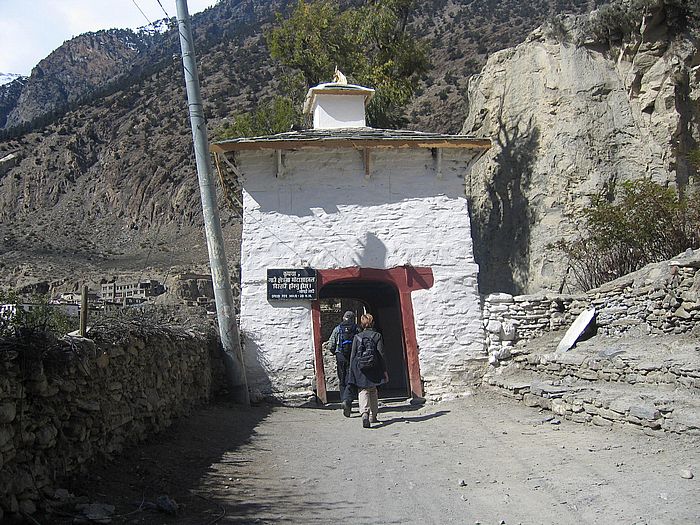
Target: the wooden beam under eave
pixel 280 164
pixel 366 160
pixel 437 157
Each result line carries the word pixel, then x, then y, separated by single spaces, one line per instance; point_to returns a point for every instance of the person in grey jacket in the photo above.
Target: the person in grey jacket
pixel 340 343
pixel 366 380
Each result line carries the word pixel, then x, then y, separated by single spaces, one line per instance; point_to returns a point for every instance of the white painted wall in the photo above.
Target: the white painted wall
pixel 339 111
pixel 324 214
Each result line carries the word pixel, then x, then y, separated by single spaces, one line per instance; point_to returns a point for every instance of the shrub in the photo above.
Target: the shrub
pixel 615 22
pixel 646 223
pixel 43 317
pixel 268 118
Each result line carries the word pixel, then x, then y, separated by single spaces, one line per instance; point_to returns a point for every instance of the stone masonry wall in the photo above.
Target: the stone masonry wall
pixel 661 298
pixel 84 400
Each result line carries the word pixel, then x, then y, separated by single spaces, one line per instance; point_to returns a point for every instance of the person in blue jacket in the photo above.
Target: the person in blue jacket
pixel 340 343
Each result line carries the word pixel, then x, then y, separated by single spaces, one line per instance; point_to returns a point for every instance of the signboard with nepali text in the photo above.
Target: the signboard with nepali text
pixel 292 285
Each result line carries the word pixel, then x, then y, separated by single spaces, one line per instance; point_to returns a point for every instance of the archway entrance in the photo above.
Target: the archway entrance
pixel 382 301
pixel 386 294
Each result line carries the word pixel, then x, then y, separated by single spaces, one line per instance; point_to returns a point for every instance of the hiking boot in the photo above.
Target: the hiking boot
pixel 365 420
pixel 347 407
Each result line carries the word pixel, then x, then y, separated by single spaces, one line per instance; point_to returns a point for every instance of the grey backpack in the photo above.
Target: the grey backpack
pixel 367 357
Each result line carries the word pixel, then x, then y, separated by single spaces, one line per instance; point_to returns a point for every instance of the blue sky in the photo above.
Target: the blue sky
pixel 31 29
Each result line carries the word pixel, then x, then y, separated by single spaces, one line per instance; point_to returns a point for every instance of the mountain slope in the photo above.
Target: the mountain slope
pixel 110 186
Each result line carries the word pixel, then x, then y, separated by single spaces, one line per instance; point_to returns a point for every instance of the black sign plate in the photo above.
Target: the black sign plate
pixel 292 285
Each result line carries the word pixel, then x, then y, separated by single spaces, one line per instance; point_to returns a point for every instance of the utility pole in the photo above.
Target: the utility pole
pixel 228 330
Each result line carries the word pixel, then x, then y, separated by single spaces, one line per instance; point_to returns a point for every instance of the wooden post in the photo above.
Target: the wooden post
pixel 83 310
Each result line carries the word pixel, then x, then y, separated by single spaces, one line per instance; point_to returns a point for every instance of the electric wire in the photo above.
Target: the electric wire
pixel 164 11
pixel 141 11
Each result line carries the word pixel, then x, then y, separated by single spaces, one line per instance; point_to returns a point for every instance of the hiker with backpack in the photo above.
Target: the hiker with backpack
pixel 368 369
pixel 340 343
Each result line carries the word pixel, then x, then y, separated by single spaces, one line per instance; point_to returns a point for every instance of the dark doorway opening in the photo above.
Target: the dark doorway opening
pixel 381 299
pixel 402 279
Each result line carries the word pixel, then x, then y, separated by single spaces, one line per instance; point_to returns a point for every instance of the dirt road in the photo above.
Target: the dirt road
pixel 483 459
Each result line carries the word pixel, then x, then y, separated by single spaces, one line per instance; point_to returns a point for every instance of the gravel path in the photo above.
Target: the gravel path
pixel 481 459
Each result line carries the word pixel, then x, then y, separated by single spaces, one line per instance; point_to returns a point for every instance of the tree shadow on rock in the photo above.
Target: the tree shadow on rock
pixel 501 220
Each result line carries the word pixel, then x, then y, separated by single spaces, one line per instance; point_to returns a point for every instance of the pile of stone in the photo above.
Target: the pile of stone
pixel 57 415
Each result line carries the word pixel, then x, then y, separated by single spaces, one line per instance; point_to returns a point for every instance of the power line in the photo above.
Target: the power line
pixel 164 11
pixel 141 11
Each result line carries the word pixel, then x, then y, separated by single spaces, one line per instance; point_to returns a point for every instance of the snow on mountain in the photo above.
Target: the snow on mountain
pixel 157 27
pixel 6 78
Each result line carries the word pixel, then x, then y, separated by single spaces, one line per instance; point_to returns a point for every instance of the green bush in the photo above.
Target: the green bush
pixel 617 21
pixel 43 318
pixel 645 223
pixel 370 42
pixel 268 118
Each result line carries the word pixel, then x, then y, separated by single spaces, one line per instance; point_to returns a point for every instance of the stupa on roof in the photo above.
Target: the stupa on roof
pixel 343 216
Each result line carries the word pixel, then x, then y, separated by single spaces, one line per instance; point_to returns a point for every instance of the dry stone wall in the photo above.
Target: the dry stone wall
pixel 653 387
pixel 662 298
pixel 84 400
pixel 640 380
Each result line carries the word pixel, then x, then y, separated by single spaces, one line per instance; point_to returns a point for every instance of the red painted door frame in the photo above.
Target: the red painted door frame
pixel 405 279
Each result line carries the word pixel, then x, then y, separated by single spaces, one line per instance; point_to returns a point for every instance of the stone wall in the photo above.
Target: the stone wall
pixel 660 298
pixel 652 386
pixel 677 370
pixel 83 400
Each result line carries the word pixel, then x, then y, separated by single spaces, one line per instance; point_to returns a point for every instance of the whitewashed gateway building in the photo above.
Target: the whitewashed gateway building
pixel 343 216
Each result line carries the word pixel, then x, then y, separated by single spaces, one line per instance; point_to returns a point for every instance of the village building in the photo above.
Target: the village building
pixel 343 216
pixel 138 290
pixel 74 298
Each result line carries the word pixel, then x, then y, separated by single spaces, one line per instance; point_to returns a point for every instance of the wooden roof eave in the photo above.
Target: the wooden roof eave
pixel 466 143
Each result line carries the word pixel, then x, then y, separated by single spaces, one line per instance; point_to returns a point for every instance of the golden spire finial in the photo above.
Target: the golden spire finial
pixel 338 77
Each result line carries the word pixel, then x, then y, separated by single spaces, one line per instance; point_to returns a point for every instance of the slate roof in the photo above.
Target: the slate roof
pixel 352 138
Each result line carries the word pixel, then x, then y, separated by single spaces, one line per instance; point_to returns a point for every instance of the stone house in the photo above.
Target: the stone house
pixel 369 218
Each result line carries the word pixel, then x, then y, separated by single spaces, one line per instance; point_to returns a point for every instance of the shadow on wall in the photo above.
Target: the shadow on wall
pixel 257 369
pixel 501 218
pixel 373 252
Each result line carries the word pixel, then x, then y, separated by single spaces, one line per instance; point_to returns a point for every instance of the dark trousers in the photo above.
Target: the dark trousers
pixel 347 392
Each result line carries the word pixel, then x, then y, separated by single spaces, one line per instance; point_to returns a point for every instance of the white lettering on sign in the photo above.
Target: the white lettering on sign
pixel 291 284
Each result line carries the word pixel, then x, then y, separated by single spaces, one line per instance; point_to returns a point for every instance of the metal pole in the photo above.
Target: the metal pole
pixel 233 358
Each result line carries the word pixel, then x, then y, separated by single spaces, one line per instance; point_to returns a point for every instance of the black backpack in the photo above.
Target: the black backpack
pixel 346 332
pixel 367 357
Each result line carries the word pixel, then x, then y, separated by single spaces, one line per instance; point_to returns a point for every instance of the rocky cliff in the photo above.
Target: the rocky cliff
pixel 570 116
pixel 76 69
pixel 9 95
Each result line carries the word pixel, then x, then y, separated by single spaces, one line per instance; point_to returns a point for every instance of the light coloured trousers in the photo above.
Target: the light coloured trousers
pixel 369 401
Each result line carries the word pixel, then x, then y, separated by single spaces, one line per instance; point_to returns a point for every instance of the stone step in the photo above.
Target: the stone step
pixel 651 408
